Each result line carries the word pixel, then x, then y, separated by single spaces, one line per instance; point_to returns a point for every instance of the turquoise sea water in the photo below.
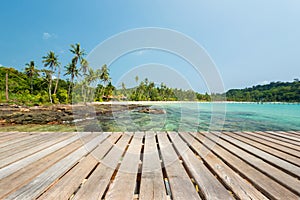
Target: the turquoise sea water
pixel 207 116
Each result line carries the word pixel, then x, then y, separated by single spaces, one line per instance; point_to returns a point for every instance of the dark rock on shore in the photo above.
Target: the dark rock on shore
pixel 57 114
pixel 152 111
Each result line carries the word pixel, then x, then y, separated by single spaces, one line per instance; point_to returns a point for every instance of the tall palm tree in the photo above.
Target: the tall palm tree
pixel 104 75
pixel 7 70
pixel 71 70
pixel 57 79
pixel 78 53
pixel 6 86
pixel 84 66
pixel 51 61
pixel 31 71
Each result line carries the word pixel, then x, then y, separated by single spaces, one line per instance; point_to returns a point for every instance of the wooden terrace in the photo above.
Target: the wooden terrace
pixel 148 165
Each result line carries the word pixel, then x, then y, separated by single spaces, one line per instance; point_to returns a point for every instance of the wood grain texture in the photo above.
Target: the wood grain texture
pixel 203 165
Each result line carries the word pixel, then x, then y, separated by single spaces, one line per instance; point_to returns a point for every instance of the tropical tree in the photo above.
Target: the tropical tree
pixel 136 79
pixel 124 89
pixel 7 72
pixel 31 71
pixel 71 70
pixel 6 85
pixel 57 79
pixel 51 61
pixel 89 79
pixel 104 76
pixel 84 66
pixel 78 53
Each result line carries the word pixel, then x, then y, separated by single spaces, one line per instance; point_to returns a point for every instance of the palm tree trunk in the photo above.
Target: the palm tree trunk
pixel 69 90
pixel 31 86
pixel 50 85
pixel 57 80
pixel 6 86
pixel 83 92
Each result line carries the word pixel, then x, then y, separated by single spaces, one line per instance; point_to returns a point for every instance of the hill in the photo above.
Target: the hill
pixel 272 92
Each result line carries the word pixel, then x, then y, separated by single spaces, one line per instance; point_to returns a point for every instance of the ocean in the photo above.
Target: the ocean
pixel 206 117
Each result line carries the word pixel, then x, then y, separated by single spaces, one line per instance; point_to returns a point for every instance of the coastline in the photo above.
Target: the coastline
pixel 182 102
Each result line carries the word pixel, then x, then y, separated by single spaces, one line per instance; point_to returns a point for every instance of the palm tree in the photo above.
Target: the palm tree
pixel 51 61
pixel 57 79
pixel 124 89
pixel 7 70
pixel 104 76
pixel 90 78
pixel 73 72
pixel 78 53
pixel 84 66
pixel 31 71
pixel 6 85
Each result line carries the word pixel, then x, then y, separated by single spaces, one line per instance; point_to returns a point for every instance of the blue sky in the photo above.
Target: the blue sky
pixel 250 42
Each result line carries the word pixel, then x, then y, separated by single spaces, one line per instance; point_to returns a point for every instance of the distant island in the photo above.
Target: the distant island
pixel 43 86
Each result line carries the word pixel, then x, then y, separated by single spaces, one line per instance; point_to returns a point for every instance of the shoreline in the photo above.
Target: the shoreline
pixel 182 102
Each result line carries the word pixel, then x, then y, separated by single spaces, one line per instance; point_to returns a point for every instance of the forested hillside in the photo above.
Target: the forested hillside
pixel 273 92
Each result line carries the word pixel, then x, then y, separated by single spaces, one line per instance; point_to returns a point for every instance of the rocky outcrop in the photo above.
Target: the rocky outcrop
pixel 57 114
pixel 152 111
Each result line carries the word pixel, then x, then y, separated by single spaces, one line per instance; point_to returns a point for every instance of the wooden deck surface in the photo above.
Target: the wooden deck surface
pixel 150 165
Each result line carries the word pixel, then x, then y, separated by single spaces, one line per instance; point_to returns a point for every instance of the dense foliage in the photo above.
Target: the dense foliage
pixel 148 91
pixel 273 92
pixel 36 86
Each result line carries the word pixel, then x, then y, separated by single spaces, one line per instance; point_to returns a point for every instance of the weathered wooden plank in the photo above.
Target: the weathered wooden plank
pixel 241 187
pixel 294 132
pixel 25 174
pixel 40 183
pixel 273 140
pixel 285 135
pixel 96 184
pixel 293 169
pixel 12 135
pixel 273 172
pixel 67 185
pixel 290 133
pixel 209 185
pixel 10 169
pixel 287 141
pixel 180 183
pixel 152 183
pixel 27 144
pixel 124 184
pixel 2 134
pixel 268 186
pixel 22 154
pixel 14 140
pixel 272 151
pixel 270 144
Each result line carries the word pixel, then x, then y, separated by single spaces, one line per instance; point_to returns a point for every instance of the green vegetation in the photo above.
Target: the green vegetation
pixel 273 92
pixel 36 86
pixel 148 91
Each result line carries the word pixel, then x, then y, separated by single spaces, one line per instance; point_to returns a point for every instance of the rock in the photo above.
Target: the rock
pixel 24 110
pixel 152 111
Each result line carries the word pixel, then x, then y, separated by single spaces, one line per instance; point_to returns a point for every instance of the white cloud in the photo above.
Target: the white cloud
pixel 47 36
pixel 263 83
pixel 1 65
